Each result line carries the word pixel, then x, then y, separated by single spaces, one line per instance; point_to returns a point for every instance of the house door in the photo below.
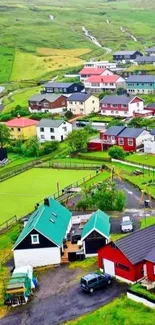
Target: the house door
pixel 144 270
pixel 109 267
pixel 62 137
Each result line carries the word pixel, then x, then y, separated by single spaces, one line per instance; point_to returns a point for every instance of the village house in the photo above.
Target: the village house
pixel 130 258
pixel 22 128
pixel 85 73
pixel 139 84
pixel 150 50
pixel 120 105
pixel 41 240
pixel 104 83
pixel 95 233
pixel 101 64
pixel 82 104
pixel 149 144
pixel 145 59
pixel 151 107
pixel 130 139
pixel 53 130
pixel 62 87
pixel 126 55
pixel 48 103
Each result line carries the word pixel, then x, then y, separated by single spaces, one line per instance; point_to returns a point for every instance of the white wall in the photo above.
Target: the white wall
pixel 37 256
pixel 135 106
pixel 120 113
pixel 140 300
pixel 144 135
pixel 149 145
pixel 58 132
pixel 47 110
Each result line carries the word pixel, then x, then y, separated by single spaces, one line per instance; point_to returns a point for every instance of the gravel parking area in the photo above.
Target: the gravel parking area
pixel 60 299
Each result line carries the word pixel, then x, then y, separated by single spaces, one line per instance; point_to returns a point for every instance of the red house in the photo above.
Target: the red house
pixel 130 258
pixel 85 73
pixel 120 105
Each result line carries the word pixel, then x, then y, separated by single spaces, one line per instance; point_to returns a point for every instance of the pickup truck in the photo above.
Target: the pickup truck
pixel 126 224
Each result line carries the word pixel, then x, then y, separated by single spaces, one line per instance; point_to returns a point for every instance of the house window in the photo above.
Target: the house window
pixel 52 137
pixel 116 112
pixel 18 129
pixel 130 142
pixel 51 130
pixel 122 266
pixel 34 239
pixel 75 88
pixel 137 104
pixel 65 129
pixel 65 90
pixel 41 129
pixel 71 103
pixel 93 101
pixel 112 137
pixel 81 103
pixel 42 136
pixel 63 103
pixel 45 104
pixel 112 112
pixel 154 269
pixel 12 129
pixel 103 111
pixel 121 141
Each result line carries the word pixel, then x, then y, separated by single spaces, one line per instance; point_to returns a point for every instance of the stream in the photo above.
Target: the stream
pixel 124 31
pixel 1 105
pixel 94 40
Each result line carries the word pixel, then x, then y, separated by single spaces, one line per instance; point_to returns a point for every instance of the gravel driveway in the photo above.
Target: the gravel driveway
pixel 60 298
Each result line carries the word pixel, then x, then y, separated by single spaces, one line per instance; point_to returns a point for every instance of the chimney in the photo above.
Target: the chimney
pixel 46 202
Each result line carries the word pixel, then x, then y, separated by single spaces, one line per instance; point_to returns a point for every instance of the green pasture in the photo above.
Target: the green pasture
pixel 143 159
pixel 19 194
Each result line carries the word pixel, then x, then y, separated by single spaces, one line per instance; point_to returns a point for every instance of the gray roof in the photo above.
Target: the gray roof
pixel 49 97
pixel 145 58
pixel 150 49
pixel 58 84
pixel 45 122
pixel 152 132
pixel 125 52
pixel 79 97
pixel 151 105
pixel 151 256
pixel 116 99
pixel 141 78
pixel 131 132
pixel 114 130
pixel 137 245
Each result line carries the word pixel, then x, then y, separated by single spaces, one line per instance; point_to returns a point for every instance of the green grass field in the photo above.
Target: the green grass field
pixel 19 194
pixel 145 159
pixel 121 311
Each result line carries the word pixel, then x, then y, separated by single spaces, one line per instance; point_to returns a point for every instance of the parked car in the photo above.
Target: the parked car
pixel 75 237
pixel 126 224
pixel 93 281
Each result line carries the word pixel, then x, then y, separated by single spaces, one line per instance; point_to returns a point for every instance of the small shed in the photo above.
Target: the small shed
pixel 95 233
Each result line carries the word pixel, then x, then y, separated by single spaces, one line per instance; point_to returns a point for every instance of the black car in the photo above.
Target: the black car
pixel 93 281
pixel 75 237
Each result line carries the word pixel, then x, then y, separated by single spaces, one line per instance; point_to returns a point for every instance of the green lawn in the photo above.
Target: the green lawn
pixel 97 154
pixel 121 311
pixel 146 222
pixel 6 61
pixel 19 194
pixel 143 159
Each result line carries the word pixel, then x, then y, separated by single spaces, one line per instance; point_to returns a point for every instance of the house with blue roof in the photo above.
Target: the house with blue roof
pixel 41 241
pixel 95 233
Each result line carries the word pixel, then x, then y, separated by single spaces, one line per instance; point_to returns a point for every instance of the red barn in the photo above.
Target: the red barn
pixel 130 258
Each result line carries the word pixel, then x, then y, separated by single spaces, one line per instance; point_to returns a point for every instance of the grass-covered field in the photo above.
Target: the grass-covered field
pixel 6 62
pixel 19 194
pixel 143 159
pixel 121 312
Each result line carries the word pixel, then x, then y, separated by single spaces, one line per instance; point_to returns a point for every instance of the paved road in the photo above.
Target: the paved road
pixel 55 308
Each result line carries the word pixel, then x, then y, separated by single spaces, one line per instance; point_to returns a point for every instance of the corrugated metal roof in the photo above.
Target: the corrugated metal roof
pixel 145 58
pixel 152 132
pixel 151 256
pixel 51 84
pixel 137 245
pixel 124 52
pixel 45 122
pixel 131 132
pixel 80 97
pixel 150 49
pixel 123 100
pixel 51 221
pixel 104 79
pixel 99 221
pixel 49 97
pixel 141 78
pixel 114 130
pixel 92 71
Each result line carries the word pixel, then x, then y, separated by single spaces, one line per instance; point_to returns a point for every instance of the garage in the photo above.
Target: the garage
pixel 95 233
pixel 109 267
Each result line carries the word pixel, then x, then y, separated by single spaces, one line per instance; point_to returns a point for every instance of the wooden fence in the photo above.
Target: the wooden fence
pixel 69 165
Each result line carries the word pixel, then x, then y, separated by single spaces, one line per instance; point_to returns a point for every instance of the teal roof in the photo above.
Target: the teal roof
pixel 51 221
pixel 99 221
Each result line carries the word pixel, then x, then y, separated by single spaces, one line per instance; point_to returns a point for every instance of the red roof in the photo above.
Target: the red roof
pixel 21 122
pixel 92 71
pixel 106 79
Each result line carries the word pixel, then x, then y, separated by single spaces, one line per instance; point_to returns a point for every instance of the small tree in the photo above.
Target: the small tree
pixel 31 147
pixel 69 115
pixel 116 152
pixel 4 134
pixel 77 140
pixel 50 146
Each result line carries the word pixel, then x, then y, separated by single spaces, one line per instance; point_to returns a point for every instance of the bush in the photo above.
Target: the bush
pixel 69 115
pixel 82 205
pixel 116 152
pixel 50 146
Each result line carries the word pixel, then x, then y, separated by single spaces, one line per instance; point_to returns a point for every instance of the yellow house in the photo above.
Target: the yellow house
pixel 22 128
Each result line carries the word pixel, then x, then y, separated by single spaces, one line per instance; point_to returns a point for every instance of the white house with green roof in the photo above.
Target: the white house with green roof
pixel 95 233
pixel 41 240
